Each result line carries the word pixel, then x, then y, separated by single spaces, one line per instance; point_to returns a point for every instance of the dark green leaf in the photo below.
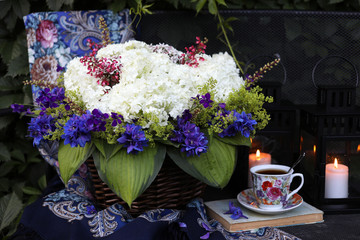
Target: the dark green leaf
pixel 129 175
pixel 335 1
pixel 9 83
pixel 212 7
pixel 10 20
pixel 6 168
pixel 70 159
pixel 117 6
pixel 200 4
pixel 221 2
pixel 31 190
pixel 293 29
pixel 4 153
pixel 4 7
pixel 18 66
pixel 214 167
pixel 5 121
pixel 20 7
pixel 18 154
pixel 42 182
pixel 7 100
pixel 10 207
pixel 55 5
pixel 4 184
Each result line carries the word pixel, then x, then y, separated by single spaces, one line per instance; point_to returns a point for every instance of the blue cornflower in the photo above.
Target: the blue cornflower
pixel 76 131
pixel 205 100
pixel 133 138
pixel 40 127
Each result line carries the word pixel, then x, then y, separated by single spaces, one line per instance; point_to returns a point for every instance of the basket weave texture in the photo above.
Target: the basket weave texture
pixel 172 189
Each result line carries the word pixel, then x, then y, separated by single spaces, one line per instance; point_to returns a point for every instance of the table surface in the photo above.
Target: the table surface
pixel 334 227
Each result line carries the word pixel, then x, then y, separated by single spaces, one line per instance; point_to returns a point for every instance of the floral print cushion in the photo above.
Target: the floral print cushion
pixel 53 39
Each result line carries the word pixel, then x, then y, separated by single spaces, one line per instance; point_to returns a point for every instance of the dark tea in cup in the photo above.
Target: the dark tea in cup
pixel 271 171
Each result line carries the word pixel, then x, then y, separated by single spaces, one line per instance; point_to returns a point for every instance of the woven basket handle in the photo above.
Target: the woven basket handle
pixel 351 63
pixel 276 55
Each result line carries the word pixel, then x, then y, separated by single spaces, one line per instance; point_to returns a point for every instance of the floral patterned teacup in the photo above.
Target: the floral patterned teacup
pixel 272 185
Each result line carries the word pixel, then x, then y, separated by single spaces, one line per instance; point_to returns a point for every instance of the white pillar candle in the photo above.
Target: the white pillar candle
pixel 255 159
pixel 336 180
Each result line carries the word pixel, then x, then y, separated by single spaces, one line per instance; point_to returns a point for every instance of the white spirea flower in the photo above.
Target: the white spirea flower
pixel 151 82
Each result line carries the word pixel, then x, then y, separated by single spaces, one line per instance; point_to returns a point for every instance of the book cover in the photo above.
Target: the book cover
pixel 304 214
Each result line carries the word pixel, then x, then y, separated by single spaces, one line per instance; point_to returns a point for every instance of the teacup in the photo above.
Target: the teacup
pixel 271 185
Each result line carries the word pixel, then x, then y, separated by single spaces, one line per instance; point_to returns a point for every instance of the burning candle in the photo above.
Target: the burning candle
pixel 258 158
pixel 336 180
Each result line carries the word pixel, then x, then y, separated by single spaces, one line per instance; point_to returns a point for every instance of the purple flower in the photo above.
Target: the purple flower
pixel 50 98
pixel 40 127
pixel 242 123
pixel 205 100
pixel 16 108
pixel 193 141
pixel 133 138
pixel 97 121
pixel 76 131
pixel 117 119
pixel 235 211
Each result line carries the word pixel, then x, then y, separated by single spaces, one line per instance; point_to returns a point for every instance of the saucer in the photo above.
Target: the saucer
pixel 247 199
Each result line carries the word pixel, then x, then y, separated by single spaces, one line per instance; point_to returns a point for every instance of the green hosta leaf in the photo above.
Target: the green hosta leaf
pixel 107 150
pixel 213 168
pixel 70 158
pixel 237 140
pixel 128 175
pixel 10 207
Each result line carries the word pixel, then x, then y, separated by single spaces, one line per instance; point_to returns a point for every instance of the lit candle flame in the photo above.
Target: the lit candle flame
pixel 358 148
pixel 257 154
pixel 314 148
pixel 336 163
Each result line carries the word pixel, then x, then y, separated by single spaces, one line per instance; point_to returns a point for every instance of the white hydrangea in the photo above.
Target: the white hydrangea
pixel 151 82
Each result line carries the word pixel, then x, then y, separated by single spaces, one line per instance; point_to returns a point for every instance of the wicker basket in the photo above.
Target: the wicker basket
pixel 172 188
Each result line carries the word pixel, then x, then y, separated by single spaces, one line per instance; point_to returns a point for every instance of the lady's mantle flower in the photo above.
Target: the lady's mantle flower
pixel 76 130
pixel 40 127
pixel 235 211
pixel 133 138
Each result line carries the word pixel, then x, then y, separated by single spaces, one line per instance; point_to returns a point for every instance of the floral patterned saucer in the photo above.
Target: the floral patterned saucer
pixel 247 199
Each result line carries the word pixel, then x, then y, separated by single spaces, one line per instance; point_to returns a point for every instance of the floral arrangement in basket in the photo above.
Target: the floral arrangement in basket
pixel 128 105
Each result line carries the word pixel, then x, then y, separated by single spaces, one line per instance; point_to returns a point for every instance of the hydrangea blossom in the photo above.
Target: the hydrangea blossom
pixel 151 82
